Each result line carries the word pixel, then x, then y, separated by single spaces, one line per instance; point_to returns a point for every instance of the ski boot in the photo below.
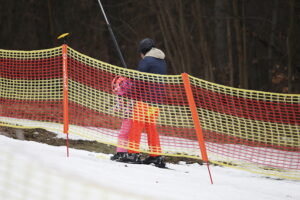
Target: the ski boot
pixel 119 156
pixel 158 161
pixel 134 158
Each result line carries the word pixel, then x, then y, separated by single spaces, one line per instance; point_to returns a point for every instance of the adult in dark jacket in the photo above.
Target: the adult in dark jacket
pixel 143 92
pixel 145 115
pixel 152 58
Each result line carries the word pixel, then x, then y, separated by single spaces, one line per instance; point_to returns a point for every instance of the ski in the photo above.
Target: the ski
pixel 107 157
pixel 133 163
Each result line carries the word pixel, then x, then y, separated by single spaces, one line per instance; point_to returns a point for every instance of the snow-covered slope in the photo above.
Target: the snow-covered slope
pixel 30 170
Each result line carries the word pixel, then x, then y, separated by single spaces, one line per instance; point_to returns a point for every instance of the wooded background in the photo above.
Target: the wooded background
pixel 250 44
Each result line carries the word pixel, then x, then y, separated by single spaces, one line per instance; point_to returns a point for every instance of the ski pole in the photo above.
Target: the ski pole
pixel 112 35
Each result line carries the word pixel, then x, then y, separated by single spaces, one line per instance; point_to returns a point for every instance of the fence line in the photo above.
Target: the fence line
pixel 252 130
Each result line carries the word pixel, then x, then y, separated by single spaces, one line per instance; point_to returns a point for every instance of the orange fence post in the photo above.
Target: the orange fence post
pixel 65 94
pixel 193 108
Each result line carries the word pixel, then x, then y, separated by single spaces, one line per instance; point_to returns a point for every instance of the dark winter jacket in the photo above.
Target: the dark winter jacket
pixel 153 62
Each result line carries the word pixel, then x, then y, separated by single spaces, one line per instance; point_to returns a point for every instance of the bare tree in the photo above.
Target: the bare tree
pixel 204 47
pixel 290 50
pixel 220 41
pixel 230 66
pixel 243 82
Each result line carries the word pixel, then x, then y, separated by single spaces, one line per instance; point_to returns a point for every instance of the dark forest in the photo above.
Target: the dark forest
pixel 249 44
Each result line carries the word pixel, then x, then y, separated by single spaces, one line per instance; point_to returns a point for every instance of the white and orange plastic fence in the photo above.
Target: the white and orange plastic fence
pixel 62 89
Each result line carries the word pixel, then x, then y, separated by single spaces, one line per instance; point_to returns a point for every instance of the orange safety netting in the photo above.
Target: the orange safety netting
pixel 246 129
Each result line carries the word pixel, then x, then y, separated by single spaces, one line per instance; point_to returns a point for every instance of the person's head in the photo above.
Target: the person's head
pixel 120 85
pixel 146 45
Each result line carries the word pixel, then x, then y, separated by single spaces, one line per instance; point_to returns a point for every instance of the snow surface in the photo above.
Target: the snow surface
pixel 184 181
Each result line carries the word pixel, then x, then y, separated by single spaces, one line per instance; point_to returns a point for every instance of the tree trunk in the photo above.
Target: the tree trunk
pixel 272 36
pixel 230 61
pixel 204 43
pixel 244 66
pixel 290 49
pixel 220 46
pixel 239 43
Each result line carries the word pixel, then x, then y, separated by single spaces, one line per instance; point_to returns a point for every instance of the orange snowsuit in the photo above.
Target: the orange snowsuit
pixel 144 116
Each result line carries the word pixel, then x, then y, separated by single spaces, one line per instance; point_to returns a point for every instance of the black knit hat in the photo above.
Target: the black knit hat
pixel 146 45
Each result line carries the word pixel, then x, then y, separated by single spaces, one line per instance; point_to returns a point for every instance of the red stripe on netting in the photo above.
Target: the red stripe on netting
pixel 263 155
pixel 89 118
pixel 267 156
pixel 178 132
pixel 105 124
pixel 90 76
pixel 50 111
pixel 42 68
pixel 83 116
pixel 220 138
pixel 266 111
pixel 154 92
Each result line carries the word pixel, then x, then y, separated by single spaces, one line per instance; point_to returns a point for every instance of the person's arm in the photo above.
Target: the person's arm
pixel 143 65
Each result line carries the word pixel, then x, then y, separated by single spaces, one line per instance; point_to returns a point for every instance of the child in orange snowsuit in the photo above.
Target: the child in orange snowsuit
pixel 144 116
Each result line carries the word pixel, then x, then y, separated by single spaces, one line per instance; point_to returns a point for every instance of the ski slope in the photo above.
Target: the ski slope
pixel 31 170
